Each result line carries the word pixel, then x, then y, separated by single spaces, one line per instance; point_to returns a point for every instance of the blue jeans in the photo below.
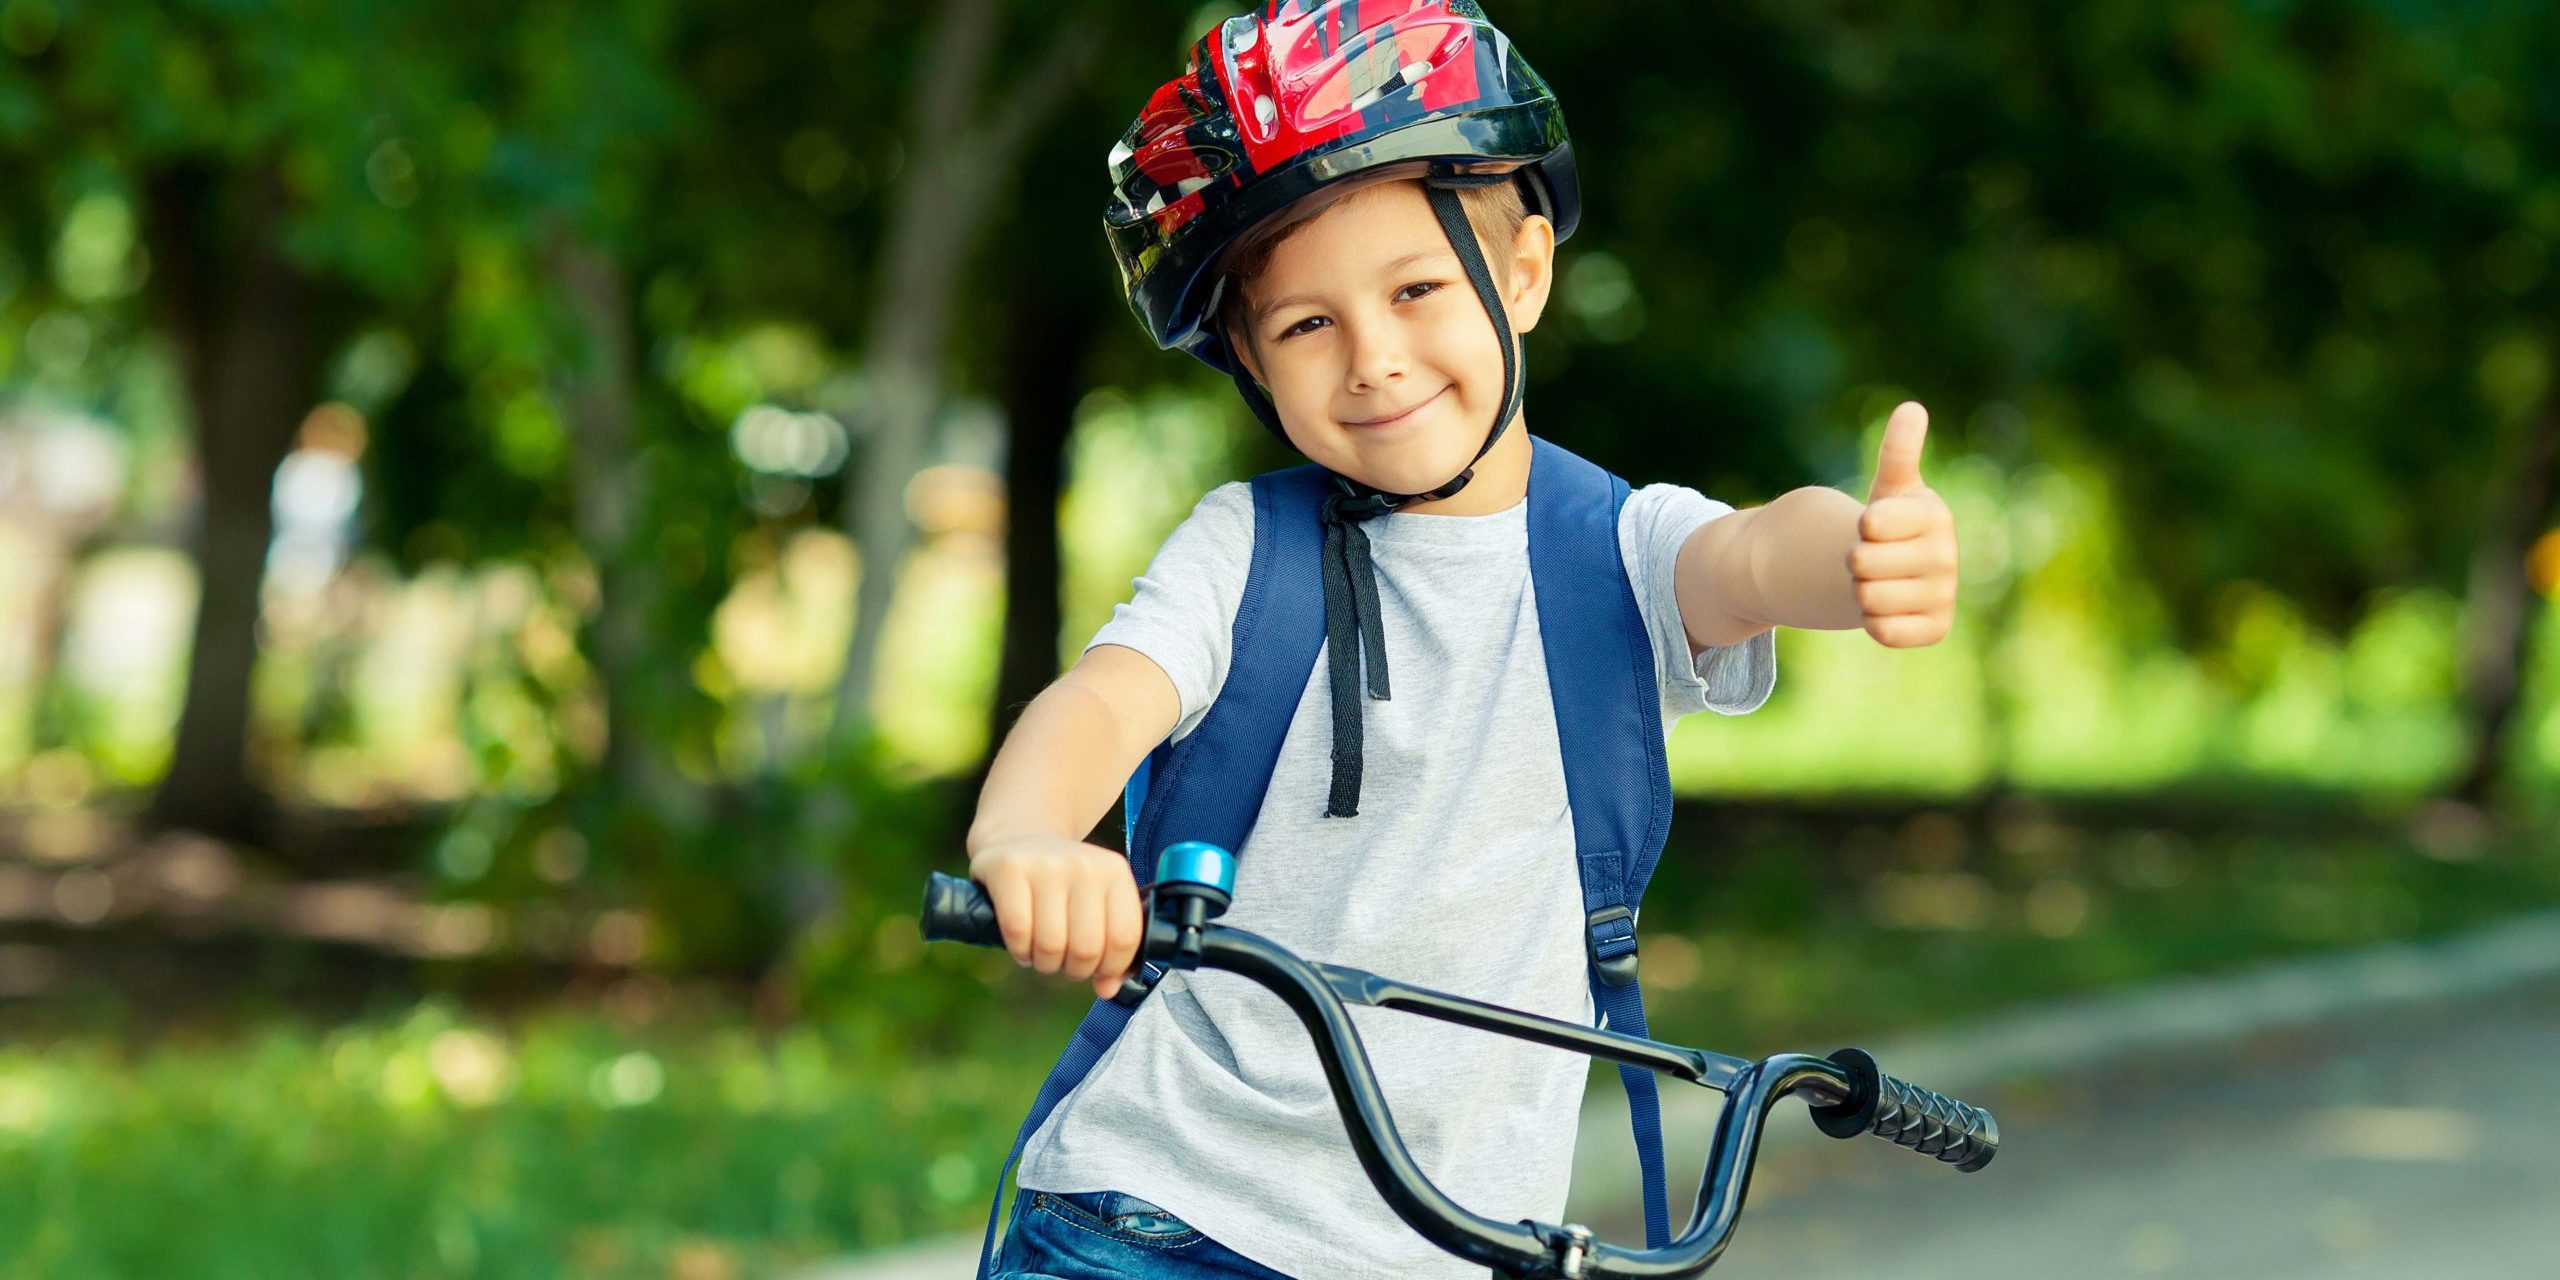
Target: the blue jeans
pixel 1108 1235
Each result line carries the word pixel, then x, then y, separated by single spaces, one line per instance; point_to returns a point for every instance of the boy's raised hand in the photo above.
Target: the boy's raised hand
pixel 1066 907
pixel 1905 560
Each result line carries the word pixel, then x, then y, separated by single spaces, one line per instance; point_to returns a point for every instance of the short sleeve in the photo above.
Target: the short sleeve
pixel 1730 679
pixel 1181 613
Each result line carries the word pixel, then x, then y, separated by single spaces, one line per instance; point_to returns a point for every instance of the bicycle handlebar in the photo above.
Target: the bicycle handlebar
pixel 1846 1094
pixel 957 910
pixel 1907 1115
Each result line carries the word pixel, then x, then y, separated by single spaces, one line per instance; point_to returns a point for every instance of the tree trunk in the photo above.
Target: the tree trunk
pixel 607 490
pixel 920 261
pixel 244 321
pixel 953 176
pixel 1045 355
pixel 2502 607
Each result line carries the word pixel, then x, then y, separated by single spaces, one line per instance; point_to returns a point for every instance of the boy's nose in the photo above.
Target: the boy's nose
pixel 1376 361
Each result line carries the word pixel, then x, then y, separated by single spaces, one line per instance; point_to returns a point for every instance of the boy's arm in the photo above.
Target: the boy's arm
pixel 1068 907
pixel 1817 559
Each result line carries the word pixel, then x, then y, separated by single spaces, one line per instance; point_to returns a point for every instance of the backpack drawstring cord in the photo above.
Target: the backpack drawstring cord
pixel 1352 632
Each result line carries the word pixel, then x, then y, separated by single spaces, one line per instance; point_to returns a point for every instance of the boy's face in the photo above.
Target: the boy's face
pixel 1373 345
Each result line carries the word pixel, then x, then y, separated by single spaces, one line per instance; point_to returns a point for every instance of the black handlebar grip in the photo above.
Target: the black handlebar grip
pixel 957 910
pixel 1905 1114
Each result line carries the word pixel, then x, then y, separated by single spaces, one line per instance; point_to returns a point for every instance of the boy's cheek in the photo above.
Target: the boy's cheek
pixel 1307 435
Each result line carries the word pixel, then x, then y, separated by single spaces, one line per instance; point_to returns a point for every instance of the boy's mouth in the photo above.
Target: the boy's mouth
pixel 1393 418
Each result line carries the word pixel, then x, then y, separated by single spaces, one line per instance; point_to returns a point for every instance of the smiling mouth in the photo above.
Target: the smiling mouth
pixel 1396 418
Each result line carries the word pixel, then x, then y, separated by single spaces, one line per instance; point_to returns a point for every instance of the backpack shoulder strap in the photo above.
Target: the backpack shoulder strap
pixel 1278 631
pixel 1209 786
pixel 1600 673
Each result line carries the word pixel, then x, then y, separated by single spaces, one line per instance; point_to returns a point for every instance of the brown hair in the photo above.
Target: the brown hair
pixel 1495 211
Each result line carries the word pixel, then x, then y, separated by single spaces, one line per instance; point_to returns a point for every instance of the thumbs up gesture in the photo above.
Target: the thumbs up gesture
pixel 1904 564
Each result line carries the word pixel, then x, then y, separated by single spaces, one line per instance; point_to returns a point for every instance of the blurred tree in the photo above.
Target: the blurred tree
pixel 963 146
pixel 479 206
pixel 845 216
pixel 248 324
pixel 598 108
pixel 2280 273
pixel 1056 300
pixel 1046 340
pixel 265 188
pixel 2502 605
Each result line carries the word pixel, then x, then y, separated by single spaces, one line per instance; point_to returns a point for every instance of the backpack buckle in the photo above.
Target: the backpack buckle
pixel 1612 957
pixel 1140 982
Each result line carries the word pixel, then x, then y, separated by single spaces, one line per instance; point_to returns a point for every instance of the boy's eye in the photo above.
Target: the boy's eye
pixel 1416 291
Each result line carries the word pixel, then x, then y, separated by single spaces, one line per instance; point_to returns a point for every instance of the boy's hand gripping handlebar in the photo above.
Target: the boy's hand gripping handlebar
pixel 1846 1094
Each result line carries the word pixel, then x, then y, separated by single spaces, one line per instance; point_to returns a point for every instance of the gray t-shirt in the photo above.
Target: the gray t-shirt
pixel 1458 874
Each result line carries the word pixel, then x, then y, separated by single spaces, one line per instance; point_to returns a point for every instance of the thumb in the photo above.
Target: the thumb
pixel 1898 462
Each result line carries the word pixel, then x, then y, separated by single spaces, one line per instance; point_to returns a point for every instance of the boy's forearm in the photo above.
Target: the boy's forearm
pixel 1785 564
pixel 1058 770
pixel 1045 776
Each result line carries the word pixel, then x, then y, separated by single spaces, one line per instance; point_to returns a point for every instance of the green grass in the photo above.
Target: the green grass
pixel 440 1144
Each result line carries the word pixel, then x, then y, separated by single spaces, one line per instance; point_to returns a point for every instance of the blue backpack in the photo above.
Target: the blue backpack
pixel 1209 786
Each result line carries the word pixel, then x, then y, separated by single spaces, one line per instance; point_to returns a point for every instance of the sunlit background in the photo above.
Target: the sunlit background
pixel 456 819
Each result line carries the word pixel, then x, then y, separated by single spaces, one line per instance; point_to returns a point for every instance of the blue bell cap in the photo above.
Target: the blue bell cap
pixel 1198 862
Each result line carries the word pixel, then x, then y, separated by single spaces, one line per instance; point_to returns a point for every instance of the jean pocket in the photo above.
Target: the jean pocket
pixel 1117 1215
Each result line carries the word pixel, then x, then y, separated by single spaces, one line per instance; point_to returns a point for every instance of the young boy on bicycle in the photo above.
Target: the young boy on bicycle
pixel 1353 208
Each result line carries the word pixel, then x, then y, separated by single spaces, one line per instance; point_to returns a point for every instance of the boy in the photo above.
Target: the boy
pixel 1309 209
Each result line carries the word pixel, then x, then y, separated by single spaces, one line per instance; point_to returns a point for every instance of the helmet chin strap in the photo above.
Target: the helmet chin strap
pixel 1352 627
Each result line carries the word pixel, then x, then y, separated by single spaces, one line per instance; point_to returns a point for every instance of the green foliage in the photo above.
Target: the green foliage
pixel 2280 271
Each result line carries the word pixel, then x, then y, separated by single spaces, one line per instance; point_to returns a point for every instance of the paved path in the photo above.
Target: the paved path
pixel 2418 1143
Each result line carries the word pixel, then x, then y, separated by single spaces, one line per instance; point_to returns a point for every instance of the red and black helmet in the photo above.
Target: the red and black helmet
pixel 1277 104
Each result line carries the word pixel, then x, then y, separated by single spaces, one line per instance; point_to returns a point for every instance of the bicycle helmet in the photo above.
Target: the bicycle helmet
pixel 1276 105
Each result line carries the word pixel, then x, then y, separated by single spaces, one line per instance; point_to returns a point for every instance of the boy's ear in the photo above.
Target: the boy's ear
pixel 1533 271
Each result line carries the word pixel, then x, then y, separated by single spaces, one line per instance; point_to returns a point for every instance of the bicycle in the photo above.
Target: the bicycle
pixel 1846 1094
